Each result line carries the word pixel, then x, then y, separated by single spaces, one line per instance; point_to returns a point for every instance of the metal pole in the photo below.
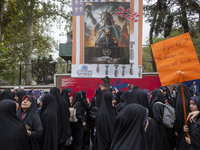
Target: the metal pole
pixel 20 73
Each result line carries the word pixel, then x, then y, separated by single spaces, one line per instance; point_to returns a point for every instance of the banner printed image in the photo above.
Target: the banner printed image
pixel 106 34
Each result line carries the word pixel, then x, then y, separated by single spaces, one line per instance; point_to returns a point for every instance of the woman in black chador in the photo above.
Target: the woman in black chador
pixel 86 131
pixel 157 96
pixel 130 125
pixel 28 114
pixel 64 130
pixel 143 100
pixel 157 136
pixel 194 128
pixel 77 127
pixel 13 132
pixel 49 119
pixel 105 122
pixel 66 94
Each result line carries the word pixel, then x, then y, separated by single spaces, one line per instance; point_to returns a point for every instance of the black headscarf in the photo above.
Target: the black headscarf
pixel 168 94
pixel 13 132
pixel 129 129
pixel 6 94
pixel 143 100
pixel 179 106
pixel 105 122
pixel 99 97
pixel 49 121
pixel 32 122
pixel 125 101
pixel 20 94
pixel 119 97
pixel 84 101
pixel 64 130
pixel 157 96
pixel 157 136
pixel 65 94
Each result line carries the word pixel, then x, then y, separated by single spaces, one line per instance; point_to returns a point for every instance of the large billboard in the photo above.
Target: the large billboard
pixel 107 38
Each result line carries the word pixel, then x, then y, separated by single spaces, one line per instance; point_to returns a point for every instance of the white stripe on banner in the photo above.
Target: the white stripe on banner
pixel 77 40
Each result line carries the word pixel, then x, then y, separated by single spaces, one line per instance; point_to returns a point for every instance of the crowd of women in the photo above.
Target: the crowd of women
pixel 114 120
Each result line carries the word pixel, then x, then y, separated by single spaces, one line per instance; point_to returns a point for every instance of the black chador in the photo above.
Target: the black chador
pixel 157 136
pixel 32 123
pixel 13 132
pixel 64 130
pixel 128 133
pixel 105 123
pixel 49 121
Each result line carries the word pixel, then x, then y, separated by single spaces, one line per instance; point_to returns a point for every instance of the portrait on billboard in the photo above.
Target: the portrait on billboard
pixel 106 33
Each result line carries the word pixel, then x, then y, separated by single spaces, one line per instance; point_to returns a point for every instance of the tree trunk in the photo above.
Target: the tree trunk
pixel 151 34
pixel 3 6
pixel 184 20
pixel 30 48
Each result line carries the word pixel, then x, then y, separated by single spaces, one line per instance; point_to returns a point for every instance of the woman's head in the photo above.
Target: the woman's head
pixel 194 103
pixel 26 103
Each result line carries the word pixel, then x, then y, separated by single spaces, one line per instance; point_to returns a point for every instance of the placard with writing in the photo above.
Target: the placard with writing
pixel 176 60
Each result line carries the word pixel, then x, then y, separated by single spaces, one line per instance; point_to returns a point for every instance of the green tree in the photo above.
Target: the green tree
pixel 27 33
pixel 43 70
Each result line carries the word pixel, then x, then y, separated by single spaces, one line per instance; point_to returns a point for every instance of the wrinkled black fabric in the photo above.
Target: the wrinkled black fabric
pixel 157 136
pixel 65 94
pixel 128 133
pixel 157 96
pixel 105 122
pixel 32 120
pixel 49 121
pixel 13 132
pixel 6 94
pixel 64 130
pixel 195 136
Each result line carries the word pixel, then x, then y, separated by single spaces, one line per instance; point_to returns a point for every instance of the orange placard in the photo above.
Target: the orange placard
pixel 176 60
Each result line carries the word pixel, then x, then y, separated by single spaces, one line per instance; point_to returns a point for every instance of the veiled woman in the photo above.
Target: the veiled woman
pixel 64 130
pixel 49 119
pixel 105 122
pixel 28 114
pixel 157 136
pixel 142 99
pixel 129 128
pixel 157 96
pixel 77 127
pixel 66 94
pixel 13 132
